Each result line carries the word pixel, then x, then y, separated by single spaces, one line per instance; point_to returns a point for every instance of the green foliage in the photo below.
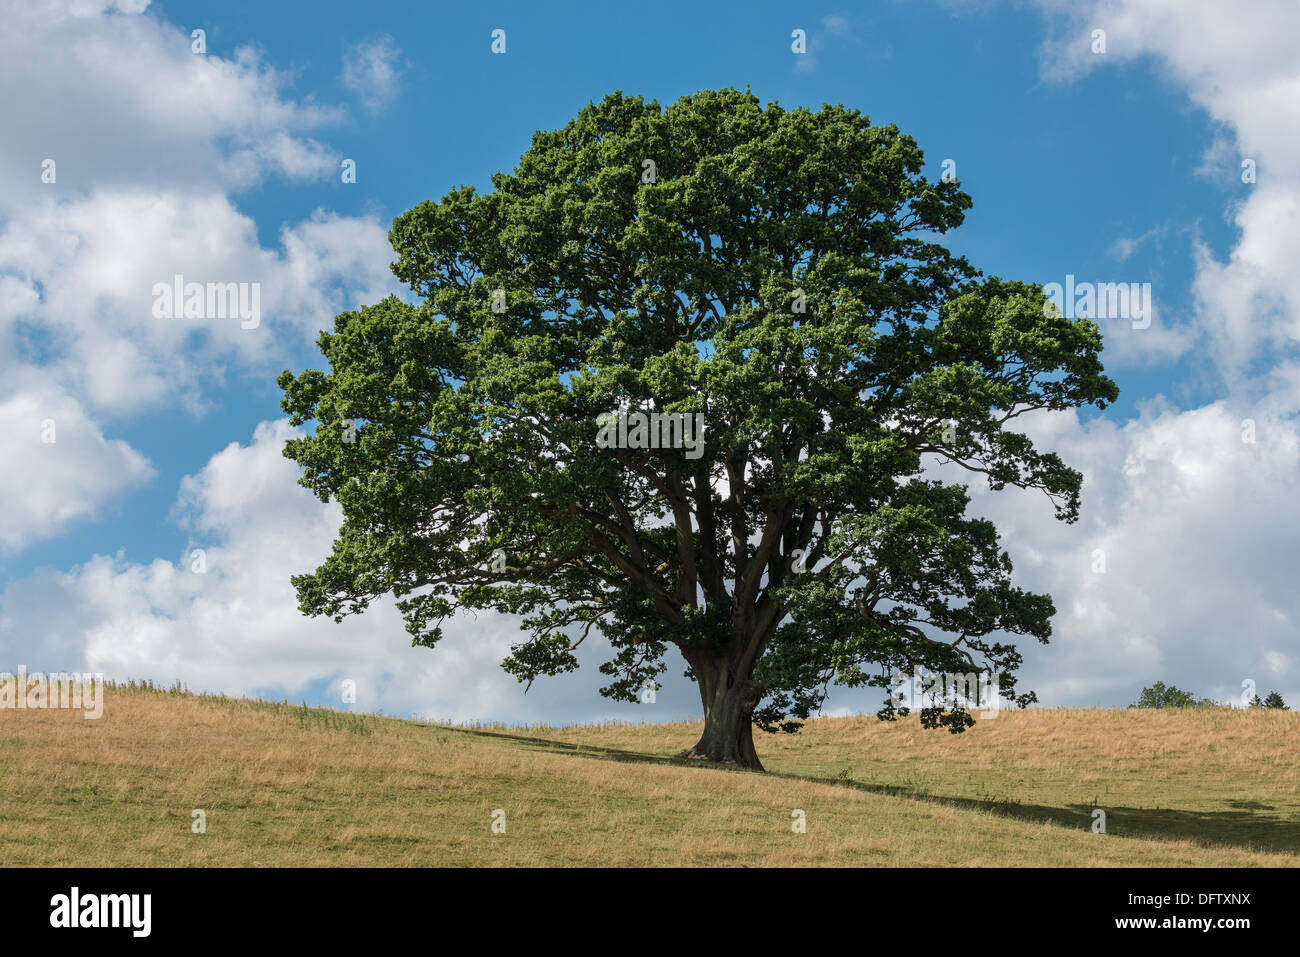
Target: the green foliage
pixel 1273 700
pixel 575 287
pixel 1159 695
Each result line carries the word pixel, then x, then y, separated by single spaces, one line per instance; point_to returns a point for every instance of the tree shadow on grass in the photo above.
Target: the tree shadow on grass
pixel 1248 828
pixel 585 750
pixel 1248 824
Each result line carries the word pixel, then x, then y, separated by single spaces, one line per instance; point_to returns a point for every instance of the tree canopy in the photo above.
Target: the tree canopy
pixel 764 291
pixel 1160 695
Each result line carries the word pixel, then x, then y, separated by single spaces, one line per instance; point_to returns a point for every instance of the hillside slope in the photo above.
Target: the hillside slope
pixel 285 785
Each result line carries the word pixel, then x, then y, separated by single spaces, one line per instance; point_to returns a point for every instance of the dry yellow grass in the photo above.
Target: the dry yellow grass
pixel 282 785
pixel 1215 775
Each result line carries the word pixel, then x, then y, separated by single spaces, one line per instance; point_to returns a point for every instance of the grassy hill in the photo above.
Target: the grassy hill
pixel 282 784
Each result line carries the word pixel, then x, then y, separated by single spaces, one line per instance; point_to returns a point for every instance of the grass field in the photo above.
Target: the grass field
pixel 286 785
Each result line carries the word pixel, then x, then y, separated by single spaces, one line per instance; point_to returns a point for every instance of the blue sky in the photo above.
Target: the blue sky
pixel 1120 166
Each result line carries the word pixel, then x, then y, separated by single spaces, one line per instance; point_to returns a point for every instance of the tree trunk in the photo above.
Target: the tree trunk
pixel 729 702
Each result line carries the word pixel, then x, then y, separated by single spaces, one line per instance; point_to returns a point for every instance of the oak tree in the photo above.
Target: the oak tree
pixel 774 277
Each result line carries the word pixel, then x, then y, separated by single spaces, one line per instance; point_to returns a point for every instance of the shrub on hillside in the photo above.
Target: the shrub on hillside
pixel 1160 695
pixel 1274 700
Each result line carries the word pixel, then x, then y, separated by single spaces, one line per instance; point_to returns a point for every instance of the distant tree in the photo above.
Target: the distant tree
pixel 1274 700
pixel 1160 695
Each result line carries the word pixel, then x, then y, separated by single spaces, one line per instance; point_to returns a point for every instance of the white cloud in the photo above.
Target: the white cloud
pixel 136 106
pixel 1158 343
pixel 89 267
pixel 370 70
pixel 329 263
pixel 150 142
pixel 236 627
pixel 1240 66
pixel 1196 525
pixel 1199 552
pixel 56 467
pixel 1124 247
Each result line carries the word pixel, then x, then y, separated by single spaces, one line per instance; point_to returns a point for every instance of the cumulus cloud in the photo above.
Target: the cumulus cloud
pixel 135 105
pixel 235 626
pixel 56 467
pixel 1188 510
pixel 130 188
pixel 90 266
pixel 1180 566
pixel 1132 342
pixel 326 264
pixel 1240 67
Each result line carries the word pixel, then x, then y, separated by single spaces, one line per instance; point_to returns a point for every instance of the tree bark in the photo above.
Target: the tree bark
pixel 729 701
